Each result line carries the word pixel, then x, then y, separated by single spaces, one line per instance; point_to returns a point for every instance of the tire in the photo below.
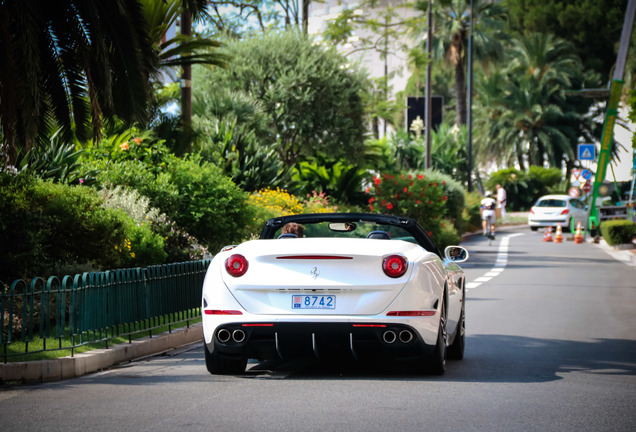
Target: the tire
pixel 221 365
pixel 534 228
pixel 437 362
pixel 568 226
pixel 456 349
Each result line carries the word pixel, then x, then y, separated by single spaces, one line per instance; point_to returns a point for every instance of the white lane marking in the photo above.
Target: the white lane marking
pixel 500 263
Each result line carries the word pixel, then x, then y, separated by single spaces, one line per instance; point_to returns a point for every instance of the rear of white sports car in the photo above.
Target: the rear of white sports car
pixel 326 297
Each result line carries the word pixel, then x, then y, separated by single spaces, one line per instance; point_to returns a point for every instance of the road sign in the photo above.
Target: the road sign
pixel 586 174
pixel 587 152
pixel 587 187
pixel 576 173
pixel 574 192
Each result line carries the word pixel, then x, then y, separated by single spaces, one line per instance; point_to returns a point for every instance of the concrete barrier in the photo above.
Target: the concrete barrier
pixel 99 359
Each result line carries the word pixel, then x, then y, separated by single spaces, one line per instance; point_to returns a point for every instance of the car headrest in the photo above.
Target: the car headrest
pixel 382 235
pixel 287 235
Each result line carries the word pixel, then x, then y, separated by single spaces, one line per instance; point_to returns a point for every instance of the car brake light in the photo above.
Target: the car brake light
pixel 566 211
pixel 222 312
pixel 394 266
pixel 236 265
pixel 411 313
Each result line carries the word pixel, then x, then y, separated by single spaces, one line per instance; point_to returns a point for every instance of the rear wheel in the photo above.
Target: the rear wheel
pixel 456 349
pixel 221 365
pixel 437 362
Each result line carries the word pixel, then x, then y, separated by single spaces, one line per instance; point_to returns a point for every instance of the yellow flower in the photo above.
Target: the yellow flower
pixel 124 146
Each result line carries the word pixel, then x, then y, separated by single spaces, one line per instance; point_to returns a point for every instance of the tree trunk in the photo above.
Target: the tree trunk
pixel 460 92
pixel 186 84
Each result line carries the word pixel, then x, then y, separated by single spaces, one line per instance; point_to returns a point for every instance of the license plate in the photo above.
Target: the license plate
pixel 313 302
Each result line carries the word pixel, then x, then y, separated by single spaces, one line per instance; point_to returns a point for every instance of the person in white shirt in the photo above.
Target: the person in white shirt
pixel 488 206
pixel 501 200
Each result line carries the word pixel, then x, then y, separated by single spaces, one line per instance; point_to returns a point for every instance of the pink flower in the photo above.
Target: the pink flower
pixel 389 206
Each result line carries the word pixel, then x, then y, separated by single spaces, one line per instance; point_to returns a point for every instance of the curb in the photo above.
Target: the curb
pixel 98 359
pixel 624 253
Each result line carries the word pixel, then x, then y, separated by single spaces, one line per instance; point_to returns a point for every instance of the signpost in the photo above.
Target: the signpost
pixel 587 152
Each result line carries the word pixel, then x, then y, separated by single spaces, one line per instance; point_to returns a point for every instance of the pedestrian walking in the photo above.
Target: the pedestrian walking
pixel 501 200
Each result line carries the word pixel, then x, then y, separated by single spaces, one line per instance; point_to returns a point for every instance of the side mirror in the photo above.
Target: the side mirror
pixel 456 254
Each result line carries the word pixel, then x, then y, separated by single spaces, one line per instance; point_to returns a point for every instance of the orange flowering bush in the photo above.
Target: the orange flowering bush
pixel 411 195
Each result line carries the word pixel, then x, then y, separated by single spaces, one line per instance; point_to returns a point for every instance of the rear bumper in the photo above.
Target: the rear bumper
pixel 323 340
pixel 547 222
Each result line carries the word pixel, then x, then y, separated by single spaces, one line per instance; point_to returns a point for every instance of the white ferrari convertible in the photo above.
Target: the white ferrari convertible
pixel 335 286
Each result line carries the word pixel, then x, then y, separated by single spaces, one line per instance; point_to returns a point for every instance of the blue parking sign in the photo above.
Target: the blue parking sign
pixel 587 152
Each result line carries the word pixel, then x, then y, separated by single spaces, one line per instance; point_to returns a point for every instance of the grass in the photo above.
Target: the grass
pixel 513 220
pixel 16 351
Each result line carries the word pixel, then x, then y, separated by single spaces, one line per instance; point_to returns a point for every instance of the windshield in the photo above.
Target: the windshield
pixel 551 203
pixel 359 229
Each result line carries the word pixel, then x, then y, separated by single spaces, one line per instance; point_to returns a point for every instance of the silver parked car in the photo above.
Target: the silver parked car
pixel 550 210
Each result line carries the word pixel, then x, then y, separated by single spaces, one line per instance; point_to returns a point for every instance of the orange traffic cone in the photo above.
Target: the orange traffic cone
pixel 558 237
pixel 547 237
pixel 578 235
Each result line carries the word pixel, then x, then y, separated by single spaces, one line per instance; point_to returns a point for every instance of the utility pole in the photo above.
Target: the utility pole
pixel 186 81
pixel 429 105
pixel 469 135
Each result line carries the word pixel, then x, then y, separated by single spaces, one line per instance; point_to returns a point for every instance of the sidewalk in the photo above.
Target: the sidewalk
pixel 624 254
pixel 99 359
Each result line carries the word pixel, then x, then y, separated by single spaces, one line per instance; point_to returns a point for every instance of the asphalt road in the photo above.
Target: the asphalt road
pixel 551 346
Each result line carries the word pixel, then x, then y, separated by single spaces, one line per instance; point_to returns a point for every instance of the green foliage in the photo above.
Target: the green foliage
pixel 209 205
pixel 130 145
pixel 191 192
pixel 235 150
pixel 55 160
pixel 471 215
pixel 523 188
pixel 47 226
pixel 312 99
pixel 522 114
pixel 413 195
pixel 454 191
pixel 339 180
pixel 593 26
pixel 268 203
pixel 617 232
pixel 178 245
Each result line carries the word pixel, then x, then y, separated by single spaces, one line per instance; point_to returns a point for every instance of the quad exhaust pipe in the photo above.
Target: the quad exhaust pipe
pixel 405 336
pixel 224 336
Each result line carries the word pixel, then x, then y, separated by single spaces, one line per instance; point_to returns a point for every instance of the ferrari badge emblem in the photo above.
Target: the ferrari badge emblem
pixel 314 272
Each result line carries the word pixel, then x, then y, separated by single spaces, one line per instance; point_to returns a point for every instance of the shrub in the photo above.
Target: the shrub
pixel 455 193
pixel 45 224
pixel 318 202
pixel 617 232
pixel 269 203
pixel 471 216
pixel 192 193
pixel 178 245
pixel 411 195
pixel 522 189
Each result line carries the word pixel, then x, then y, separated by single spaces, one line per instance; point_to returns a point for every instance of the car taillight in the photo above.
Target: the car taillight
pixel 236 265
pixel 394 266
pixel 566 211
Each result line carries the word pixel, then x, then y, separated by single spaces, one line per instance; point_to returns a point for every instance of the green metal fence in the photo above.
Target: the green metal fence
pixel 96 307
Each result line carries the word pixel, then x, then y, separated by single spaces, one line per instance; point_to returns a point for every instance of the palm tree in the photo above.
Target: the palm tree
pixel 451 27
pixel 71 63
pixel 523 116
